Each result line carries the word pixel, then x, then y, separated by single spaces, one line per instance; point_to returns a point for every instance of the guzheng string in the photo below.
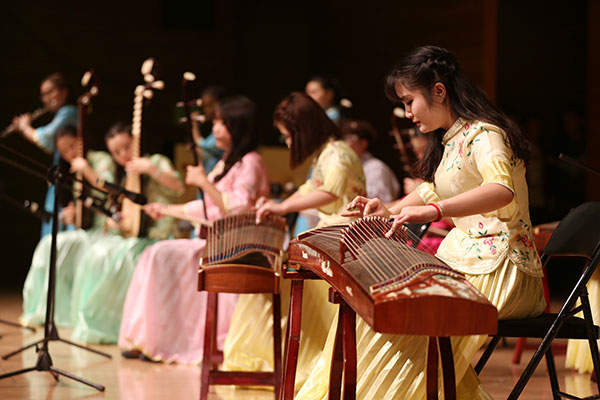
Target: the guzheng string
pixel 234 236
pixel 390 262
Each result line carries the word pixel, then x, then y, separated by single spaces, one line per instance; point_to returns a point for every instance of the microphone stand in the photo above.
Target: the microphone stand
pixel 576 163
pixel 44 361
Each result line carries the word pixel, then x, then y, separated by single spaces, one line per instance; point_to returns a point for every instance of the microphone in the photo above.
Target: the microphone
pixel 137 198
pixel 90 202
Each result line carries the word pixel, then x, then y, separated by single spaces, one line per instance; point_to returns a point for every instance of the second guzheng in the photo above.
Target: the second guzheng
pixel 395 288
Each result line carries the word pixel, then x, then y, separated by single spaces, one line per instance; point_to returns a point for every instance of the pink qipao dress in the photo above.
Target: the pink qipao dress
pixel 164 313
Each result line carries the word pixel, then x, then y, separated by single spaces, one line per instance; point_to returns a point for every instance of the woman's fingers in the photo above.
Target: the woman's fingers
pixel 355 213
pixel 398 220
pixel 357 202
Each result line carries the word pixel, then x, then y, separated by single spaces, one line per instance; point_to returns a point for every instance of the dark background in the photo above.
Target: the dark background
pixel 534 58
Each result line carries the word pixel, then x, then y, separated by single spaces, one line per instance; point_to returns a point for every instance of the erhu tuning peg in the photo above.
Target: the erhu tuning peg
pixel 399 112
pixel 189 76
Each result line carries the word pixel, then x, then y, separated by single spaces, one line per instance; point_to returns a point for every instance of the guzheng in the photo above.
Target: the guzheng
pixel 395 288
pixel 235 237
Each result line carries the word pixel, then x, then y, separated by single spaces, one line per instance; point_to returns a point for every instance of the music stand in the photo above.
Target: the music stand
pixel 44 361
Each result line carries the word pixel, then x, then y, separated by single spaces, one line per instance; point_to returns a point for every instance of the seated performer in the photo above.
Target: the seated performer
pixel 102 277
pixel 328 94
pixel 337 177
pixel 474 172
pixel 69 243
pixel 381 181
pixel 54 94
pixel 210 153
pixel 163 318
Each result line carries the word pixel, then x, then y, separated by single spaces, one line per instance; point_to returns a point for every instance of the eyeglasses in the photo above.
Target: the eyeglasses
pixel 47 93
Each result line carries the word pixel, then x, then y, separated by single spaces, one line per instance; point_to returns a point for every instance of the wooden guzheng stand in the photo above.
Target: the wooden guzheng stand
pixel 241 256
pixel 395 288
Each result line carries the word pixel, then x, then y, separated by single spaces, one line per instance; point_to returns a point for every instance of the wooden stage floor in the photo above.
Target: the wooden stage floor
pixel 133 379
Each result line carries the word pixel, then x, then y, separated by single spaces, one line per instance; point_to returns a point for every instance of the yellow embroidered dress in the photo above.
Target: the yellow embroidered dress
pixel 249 342
pixel 495 250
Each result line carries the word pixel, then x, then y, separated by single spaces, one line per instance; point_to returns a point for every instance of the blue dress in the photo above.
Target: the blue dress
pixel 66 115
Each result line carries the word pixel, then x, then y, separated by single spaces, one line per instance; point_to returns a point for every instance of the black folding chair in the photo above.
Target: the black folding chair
pixel 577 237
pixel 418 230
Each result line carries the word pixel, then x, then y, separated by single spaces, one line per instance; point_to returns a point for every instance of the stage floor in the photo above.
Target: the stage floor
pixel 133 379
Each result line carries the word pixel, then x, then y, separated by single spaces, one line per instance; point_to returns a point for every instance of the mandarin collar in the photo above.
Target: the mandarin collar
pixel 456 127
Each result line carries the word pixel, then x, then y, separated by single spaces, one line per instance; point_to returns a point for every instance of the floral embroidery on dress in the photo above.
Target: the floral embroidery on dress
pixel 490 242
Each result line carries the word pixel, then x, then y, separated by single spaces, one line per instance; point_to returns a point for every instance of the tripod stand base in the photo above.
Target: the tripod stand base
pixel 2 321
pixel 44 363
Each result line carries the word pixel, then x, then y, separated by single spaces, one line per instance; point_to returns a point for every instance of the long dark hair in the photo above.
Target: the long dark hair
pixel 116 129
pixel 428 65
pixel 307 123
pixel 239 116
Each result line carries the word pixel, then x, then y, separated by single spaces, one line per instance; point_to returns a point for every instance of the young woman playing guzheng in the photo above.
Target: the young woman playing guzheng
pixel 337 177
pixel 163 318
pixel 70 244
pixel 474 173
pixel 102 277
pixel 54 94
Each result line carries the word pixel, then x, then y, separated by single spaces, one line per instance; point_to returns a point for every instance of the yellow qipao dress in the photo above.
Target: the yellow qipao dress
pixel 495 250
pixel 249 342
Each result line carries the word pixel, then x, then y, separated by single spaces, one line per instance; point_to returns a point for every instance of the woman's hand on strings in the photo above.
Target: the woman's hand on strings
pixel 362 207
pixel 155 210
pixel 412 214
pixel 195 175
pixel 112 225
pixel 140 165
pixel 265 207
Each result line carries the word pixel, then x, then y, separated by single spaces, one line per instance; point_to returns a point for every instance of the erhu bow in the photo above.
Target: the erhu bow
pixel 132 213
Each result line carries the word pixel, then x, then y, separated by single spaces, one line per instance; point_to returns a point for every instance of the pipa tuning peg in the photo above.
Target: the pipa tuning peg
pixel 147 66
pixel 158 85
pixel 148 94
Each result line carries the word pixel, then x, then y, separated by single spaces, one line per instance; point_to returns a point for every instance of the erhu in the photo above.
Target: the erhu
pixel 130 211
pixel 84 103
pixel 190 77
pixel 403 144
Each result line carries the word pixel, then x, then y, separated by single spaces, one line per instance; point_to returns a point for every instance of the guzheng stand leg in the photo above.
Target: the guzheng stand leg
pixel 343 363
pixel 445 350
pixel 292 333
pixel 292 341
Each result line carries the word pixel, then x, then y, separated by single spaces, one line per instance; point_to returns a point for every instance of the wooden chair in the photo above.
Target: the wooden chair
pixel 578 238
pixel 246 261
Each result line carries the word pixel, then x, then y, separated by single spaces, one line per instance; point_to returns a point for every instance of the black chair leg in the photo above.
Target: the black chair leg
pixel 592 339
pixel 487 353
pixel 552 374
pixel 534 362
